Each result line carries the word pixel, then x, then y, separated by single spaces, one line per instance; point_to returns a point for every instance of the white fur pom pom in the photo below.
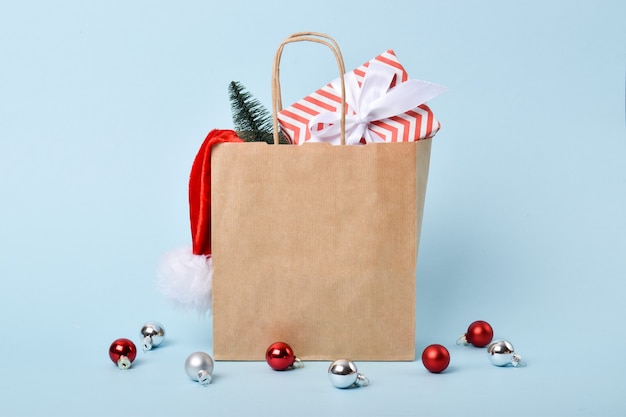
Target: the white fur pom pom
pixel 186 279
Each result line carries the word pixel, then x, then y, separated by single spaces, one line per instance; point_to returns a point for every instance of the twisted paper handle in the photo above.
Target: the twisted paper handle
pixel 316 37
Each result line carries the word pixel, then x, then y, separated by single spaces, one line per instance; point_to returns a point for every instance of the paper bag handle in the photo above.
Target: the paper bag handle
pixel 276 95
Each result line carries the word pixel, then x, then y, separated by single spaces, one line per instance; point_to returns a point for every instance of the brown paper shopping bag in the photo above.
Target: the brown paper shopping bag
pixel 316 246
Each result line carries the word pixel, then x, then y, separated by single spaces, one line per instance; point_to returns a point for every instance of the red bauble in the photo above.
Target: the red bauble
pixel 280 356
pixel 122 348
pixel 479 333
pixel 436 358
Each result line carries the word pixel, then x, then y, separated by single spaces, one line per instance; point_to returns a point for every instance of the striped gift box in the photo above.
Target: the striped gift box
pixel 415 124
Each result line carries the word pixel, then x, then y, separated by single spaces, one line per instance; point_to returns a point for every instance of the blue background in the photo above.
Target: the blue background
pixel 103 106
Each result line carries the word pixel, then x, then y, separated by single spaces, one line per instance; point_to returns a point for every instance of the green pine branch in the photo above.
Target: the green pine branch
pixel 252 121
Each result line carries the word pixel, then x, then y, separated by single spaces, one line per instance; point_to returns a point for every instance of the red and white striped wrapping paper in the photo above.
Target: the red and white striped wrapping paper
pixel 415 124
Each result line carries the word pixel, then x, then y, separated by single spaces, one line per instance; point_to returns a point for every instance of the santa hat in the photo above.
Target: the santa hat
pixel 185 274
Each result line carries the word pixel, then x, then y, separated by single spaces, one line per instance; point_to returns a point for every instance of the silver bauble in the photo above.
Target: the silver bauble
pixel 199 367
pixel 153 334
pixel 343 374
pixel 502 353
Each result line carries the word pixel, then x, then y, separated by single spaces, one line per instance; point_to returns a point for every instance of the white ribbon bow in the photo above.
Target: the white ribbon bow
pixel 374 100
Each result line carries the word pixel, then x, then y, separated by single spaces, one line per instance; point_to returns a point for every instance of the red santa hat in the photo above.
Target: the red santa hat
pixel 185 274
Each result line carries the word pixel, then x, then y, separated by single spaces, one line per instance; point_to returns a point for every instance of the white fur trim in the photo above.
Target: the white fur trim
pixel 186 279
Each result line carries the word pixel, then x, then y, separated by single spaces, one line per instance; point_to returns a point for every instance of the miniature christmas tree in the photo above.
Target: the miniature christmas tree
pixel 252 121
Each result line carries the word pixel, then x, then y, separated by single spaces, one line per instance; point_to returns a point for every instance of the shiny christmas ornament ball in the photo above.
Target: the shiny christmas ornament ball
pixel 152 334
pixel 122 352
pixel 479 334
pixel 199 367
pixel 502 353
pixel 435 358
pixel 279 356
pixel 343 373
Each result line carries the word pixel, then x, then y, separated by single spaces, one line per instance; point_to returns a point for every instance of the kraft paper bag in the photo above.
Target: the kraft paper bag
pixel 316 246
